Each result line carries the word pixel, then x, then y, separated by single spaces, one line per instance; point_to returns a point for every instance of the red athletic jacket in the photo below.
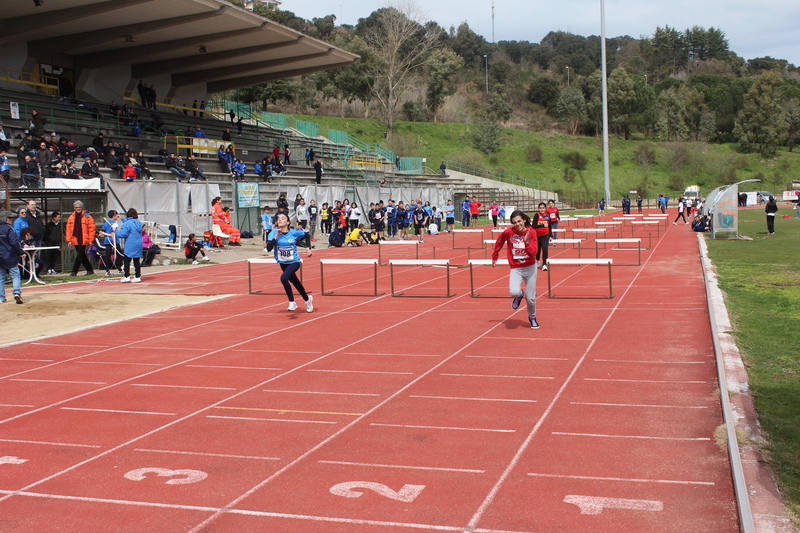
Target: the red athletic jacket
pixel 521 248
pixel 541 224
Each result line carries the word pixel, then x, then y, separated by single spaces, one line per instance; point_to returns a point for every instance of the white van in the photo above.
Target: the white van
pixel 692 194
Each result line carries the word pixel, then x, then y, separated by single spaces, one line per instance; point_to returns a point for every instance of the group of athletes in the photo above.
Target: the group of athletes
pixel 526 241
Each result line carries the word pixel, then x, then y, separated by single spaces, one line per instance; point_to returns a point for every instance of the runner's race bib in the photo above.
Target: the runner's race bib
pixel 285 253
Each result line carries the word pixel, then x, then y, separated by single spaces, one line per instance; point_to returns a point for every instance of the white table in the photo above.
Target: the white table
pixel 31 253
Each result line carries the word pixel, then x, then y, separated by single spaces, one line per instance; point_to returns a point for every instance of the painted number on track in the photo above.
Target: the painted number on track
pixel 406 494
pixel 595 505
pixel 186 476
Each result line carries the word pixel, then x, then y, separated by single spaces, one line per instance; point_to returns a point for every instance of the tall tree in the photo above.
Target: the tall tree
pixel 571 108
pixel 400 47
pixel 792 110
pixel 761 124
pixel 621 100
pixel 443 65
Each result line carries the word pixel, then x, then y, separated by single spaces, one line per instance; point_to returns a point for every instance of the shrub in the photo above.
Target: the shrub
pixel 675 183
pixel 535 153
pixel 677 156
pixel 645 155
pixel 575 159
pixel 728 175
pixel 569 175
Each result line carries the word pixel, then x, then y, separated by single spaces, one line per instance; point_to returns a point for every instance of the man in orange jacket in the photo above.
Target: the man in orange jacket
pixel 80 233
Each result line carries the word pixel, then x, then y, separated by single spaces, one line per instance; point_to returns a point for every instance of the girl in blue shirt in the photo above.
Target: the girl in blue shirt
pixel 111 242
pixel 284 240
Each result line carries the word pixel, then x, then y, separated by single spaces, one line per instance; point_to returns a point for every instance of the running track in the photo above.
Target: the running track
pixel 376 414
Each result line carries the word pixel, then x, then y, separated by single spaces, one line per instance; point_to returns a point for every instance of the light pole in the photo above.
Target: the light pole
pixel 606 178
pixel 486 63
pixel 567 76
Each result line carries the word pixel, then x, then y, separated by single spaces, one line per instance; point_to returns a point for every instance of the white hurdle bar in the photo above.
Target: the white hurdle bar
pixel 590 261
pixel 422 263
pixel 396 243
pixel 267 261
pixel 636 241
pixel 482 262
pixel 456 231
pixel 373 262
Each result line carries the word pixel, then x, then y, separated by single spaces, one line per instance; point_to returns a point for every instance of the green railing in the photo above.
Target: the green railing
pixel 411 165
pixel 309 129
pixel 338 137
pixel 500 176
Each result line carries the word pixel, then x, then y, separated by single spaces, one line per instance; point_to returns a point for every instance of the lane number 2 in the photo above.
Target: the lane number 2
pixel 186 476
pixel 406 494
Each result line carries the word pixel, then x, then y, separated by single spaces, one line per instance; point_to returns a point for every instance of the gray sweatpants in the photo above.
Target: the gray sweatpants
pixel 515 278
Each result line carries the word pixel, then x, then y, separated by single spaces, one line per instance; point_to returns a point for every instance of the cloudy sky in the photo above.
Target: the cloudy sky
pixel 754 28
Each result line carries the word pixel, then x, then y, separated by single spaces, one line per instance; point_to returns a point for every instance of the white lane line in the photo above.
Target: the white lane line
pixel 628 436
pixel 321 392
pixel 233 367
pixel 652 362
pixel 361 372
pixel 179 386
pixel 397 354
pixel 265 351
pixel 14 405
pixel 60 381
pixel 204 454
pixel 31 360
pixel 271 419
pixel 643 380
pixel 525 358
pixel 118 411
pixel 264 514
pixel 407 467
pixel 640 405
pixel 625 479
pixel 473 399
pixel 445 427
pixel 116 363
pixel 50 443
pixel 71 345
pixel 494 376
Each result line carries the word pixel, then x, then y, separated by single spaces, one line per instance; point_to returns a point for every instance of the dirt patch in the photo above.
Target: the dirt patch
pixel 45 314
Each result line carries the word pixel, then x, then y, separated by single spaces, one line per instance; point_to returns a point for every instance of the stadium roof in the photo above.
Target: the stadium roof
pixel 193 41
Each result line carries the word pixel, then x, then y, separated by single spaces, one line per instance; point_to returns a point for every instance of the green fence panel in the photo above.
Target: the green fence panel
pixel 411 164
pixel 309 129
pixel 276 120
pixel 338 137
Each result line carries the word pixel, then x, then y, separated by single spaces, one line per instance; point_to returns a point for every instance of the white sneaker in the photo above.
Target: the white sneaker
pixel 125 279
pixel 544 267
pixel 136 280
pixel 195 262
pixel 292 306
pixel 309 304
pixel 205 258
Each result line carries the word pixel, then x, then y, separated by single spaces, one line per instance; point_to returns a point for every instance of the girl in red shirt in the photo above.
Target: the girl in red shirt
pixel 542 224
pixel 521 254
pixel 555 216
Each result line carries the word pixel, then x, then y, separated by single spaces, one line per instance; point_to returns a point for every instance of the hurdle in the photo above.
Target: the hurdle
pixel 482 262
pixel 582 218
pixel 373 262
pixel 646 224
pixel 395 243
pixel 597 231
pixel 422 263
pixel 611 225
pixel 573 242
pixel 638 248
pixel 267 261
pixel 589 261
pixel 456 231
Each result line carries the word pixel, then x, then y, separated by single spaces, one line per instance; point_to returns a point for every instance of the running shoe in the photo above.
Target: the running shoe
pixel 18 298
pixel 292 306
pixel 309 304
pixel 544 267
pixel 515 302
pixel 534 323
pixel 125 279
pixel 136 280
pixel 195 262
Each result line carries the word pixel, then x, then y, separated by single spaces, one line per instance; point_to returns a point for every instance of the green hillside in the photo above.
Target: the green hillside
pixel 670 168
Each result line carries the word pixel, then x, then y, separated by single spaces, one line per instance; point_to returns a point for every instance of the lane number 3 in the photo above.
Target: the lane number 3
pixel 347 490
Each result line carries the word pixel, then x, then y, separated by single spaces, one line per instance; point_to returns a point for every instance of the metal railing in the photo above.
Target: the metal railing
pixel 176 104
pixel 48 84
pixel 500 176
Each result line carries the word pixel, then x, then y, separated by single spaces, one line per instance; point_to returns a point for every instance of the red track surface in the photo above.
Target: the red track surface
pixel 376 414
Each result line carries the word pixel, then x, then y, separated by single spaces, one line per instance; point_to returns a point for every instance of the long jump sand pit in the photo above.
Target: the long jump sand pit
pixel 45 314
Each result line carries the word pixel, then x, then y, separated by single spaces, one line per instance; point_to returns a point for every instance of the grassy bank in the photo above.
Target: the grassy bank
pixel 670 168
pixel 761 281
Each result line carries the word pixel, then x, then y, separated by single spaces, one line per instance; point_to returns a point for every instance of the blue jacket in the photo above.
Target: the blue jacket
pixel 19 225
pixel 199 134
pixel 240 168
pixel 131 231
pixel 10 247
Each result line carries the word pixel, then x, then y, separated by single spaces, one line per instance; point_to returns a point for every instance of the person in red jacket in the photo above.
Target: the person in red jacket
pixel 542 225
pixel 475 210
pixel 521 253
pixel 129 174
pixel 555 216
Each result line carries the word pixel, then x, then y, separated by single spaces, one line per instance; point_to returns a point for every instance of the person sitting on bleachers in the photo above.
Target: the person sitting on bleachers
pixel 262 169
pixel 222 156
pixel 277 166
pixel 114 109
pixel 112 163
pixel 176 166
pixel 129 173
pixel 90 169
pixel 194 171
pixel 239 169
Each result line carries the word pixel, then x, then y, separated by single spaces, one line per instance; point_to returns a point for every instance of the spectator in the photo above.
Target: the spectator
pixel 112 256
pixel 222 157
pixel 198 132
pixel 465 213
pixel 700 224
pixel 129 173
pixel 10 255
pixel 194 110
pixel 286 154
pixel 239 169
pixel 262 169
pixel 474 210
pixel 156 121
pixel 202 107
pixel 318 171
pixel 770 209
pixel 151 97
pixel 80 232
pixel 112 163
pixel 301 213
pixel 240 126
pixel 30 173
pixel 221 218
pixel 142 88
pixel 5 144
pixel 194 171
pixel 52 237
pixel 192 248
pixel 99 141
pixel 175 165
pixel 114 109
pixel 90 169
pixel 34 220
pixel 232 115
pixel 38 122
pixel 139 162
pixel 443 168
pixel 21 223
pixel 5 168
pixel 149 250
pixel 131 231
pixel 226 135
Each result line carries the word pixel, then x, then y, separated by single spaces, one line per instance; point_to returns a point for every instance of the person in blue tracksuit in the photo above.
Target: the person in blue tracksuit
pixel 283 239
pixel 465 215
pixel 131 231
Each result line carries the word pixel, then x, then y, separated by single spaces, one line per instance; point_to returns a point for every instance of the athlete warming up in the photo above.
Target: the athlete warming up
pixel 283 239
pixel 522 247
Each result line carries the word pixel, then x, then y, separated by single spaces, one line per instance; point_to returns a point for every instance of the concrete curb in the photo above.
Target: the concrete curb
pixel 769 512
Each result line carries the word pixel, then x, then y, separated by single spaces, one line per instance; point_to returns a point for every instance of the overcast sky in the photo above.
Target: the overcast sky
pixel 754 28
